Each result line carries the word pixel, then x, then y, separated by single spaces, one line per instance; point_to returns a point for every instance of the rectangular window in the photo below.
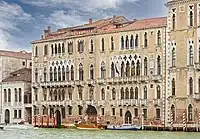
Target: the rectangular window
pixel 157 113
pixel 113 111
pixel 15 114
pixel 20 114
pixel 102 111
pixel 23 63
pixel 121 112
pixel 70 110
pixel 136 112
pixel 145 113
pixel 80 110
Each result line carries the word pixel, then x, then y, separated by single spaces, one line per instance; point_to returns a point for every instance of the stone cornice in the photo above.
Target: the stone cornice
pixel 179 2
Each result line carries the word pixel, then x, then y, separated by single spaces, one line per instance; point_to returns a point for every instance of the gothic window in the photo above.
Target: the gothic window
pixel 127 69
pixel 91 93
pixel 138 68
pixel 191 57
pixel 145 66
pixel 145 92
pixel 59 73
pixel 51 74
pixel 173 21
pixel 173 112
pixel 122 93
pixel 56 49
pixel 173 57
pixel 158 92
pixel 20 94
pixel 63 48
pixel 59 48
pixel 113 94
pixel 45 74
pixel 45 50
pixel 102 45
pixel 132 42
pixel 55 74
pixel 72 73
pixel 158 66
pixel 112 70
pixel 52 49
pixel 122 69
pixel 5 95
pixel 127 93
pixel 63 73
pixel 112 43
pixel 80 46
pixel 133 68
pixel 91 72
pixel 190 86
pixel 190 112
pixel 70 47
pixel 127 42
pixel 173 87
pixel 9 95
pixel 67 73
pixel 131 93
pixel 36 51
pixel 36 75
pixel 102 94
pixel 80 94
pixel 122 43
pixel 136 41
pixel 158 38
pixel 145 40
pixel 55 95
pixel 191 18
pixel 103 70
pixel 80 72
pixel 91 46
pixel 16 95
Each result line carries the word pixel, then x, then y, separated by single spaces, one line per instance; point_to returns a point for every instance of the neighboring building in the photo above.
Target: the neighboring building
pixel 17 98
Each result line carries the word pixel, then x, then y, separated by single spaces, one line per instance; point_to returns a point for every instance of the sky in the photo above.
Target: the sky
pixel 22 21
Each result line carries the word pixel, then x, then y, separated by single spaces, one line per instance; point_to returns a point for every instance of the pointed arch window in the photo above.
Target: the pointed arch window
pixel 145 92
pixel 127 69
pixel 122 43
pixel 59 73
pixel 158 66
pixel 45 49
pixel 145 40
pixel 70 47
pixel 131 93
pixel 102 45
pixel 112 43
pixel 138 68
pixel 127 42
pixel 136 93
pixel 36 75
pixel 52 49
pixel 191 18
pixel 91 72
pixel 45 74
pixel 80 93
pixel 91 46
pixel 80 46
pixel 145 66
pixel 80 72
pixel 59 48
pixel 36 51
pixel 112 70
pixel 132 42
pixel 55 74
pixel 122 93
pixel 16 99
pixel 173 57
pixel 72 72
pixel 56 49
pixel 191 56
pixel 63 48
pixel 102 94
pixel 158 92
pixel 113 94
pixel 158 38
pixel 20 94
pixel 63 73
pixel 103 70
pixel 173 113
pixel 127 93
pixel 133 68
pixel 5 95
pixel 9 95
pixel 136 41
pixel 190 86
pixel 173 21
pixel 122 69
pixel 173 87
pixel 190 112
pixel 51 74
pixel 63 94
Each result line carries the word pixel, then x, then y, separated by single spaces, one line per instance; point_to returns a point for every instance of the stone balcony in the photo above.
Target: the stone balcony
pixel 101 81
pixel 35 84
pixel 80 102
pixel 91 81
pixel 7 104
pixel 143 102
pixel 157 78
pixel 157 102
pixel 128 102
pixel 53 103
pixel 102 103
pixel 91 102
pixel 113 102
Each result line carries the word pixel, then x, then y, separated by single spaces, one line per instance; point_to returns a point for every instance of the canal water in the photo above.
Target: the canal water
pixel 92 134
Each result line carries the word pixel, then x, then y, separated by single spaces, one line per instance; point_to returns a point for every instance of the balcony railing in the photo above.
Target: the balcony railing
pixel 102 103
pixel 157 77
pixel 80 102
pixel 157 102
pixel 91 102
pixel 143 102
pixel 113 102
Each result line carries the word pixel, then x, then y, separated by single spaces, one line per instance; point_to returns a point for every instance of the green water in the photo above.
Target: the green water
pixel 85 134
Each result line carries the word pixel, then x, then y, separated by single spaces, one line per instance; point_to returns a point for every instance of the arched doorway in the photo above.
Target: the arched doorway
pixel 92 114
pixel 58 117
pixel 128 117
pixel 7 116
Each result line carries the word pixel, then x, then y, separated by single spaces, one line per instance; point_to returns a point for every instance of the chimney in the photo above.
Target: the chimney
pixel 42 37
pixel 114 19
pixel 90 21
pixel 49 29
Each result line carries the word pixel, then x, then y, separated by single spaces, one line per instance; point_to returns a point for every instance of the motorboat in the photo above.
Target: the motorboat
pixel 89 126
pixel 123 127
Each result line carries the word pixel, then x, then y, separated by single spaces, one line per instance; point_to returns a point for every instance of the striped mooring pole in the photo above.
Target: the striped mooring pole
pixel 172 121
pixel 184 122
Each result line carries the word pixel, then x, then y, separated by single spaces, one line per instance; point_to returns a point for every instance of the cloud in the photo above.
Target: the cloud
pixel 11 15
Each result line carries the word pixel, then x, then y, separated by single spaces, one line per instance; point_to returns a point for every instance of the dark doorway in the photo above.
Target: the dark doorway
pixel 58 118
pixel 7 116
pixel 91 110
pixel 128 118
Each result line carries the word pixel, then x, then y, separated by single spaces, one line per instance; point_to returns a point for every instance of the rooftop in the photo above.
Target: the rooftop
pixel 21 54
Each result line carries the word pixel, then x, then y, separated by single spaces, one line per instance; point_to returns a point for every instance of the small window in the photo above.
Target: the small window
pixel 80 110
pixel 23 63
pixel 145 113
pixel 70 110
pixel 121 111
pixel 15 114
pixel 102 111
pixel 20 114
pixel 151 86
pixel 157 113
pixel 113 111
pixel 30 64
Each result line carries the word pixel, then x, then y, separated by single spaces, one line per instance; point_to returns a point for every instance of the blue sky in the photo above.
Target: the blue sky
pixel 22 21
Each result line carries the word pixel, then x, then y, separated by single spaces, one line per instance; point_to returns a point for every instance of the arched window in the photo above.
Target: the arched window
pixel 131 93
pixel 158 38
pixel 122 43
pixel 80 46
pixel 173 87
pixel 9 95
pixel 112 70
pixel 45 50
pixel 138 68
pixel 133 68
pixel 158 92
pixel 70 47
pixel 136 93
pixel 191 57
pixel 63 73
pixel 191 86
pixel 127 69
pixel 158 66
pixel 45 74
pixel 122 69
pixel 59 48
pixel 80 93
pixel 63 48
pixel 122 93
pixel 20 94
pixel 102 94
pixel 112 44
pixel 55 74
pixel 56 49
pixel 91 46
pixel 51 74
pixel 127 93
pixel 80 72
pixel 127 42
pixel 113 94
pixel 190 112
pixel 67 73
pixel 16 99
pixel 103 70
pixel 145 40
pixel 136 40
pixel 63 94
pixel 55 95
pixel 173 21
pixel 145 92
pixel 36 75
pixel 91 72
pixel 102 45
pixel 59 73
pixel 36 51
pixel 173 57
pixel 72 73
pixel 173 113
pixel 191 18
pixel 5 95
pixel 52 49
pixel 145 66
pixel 132 42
